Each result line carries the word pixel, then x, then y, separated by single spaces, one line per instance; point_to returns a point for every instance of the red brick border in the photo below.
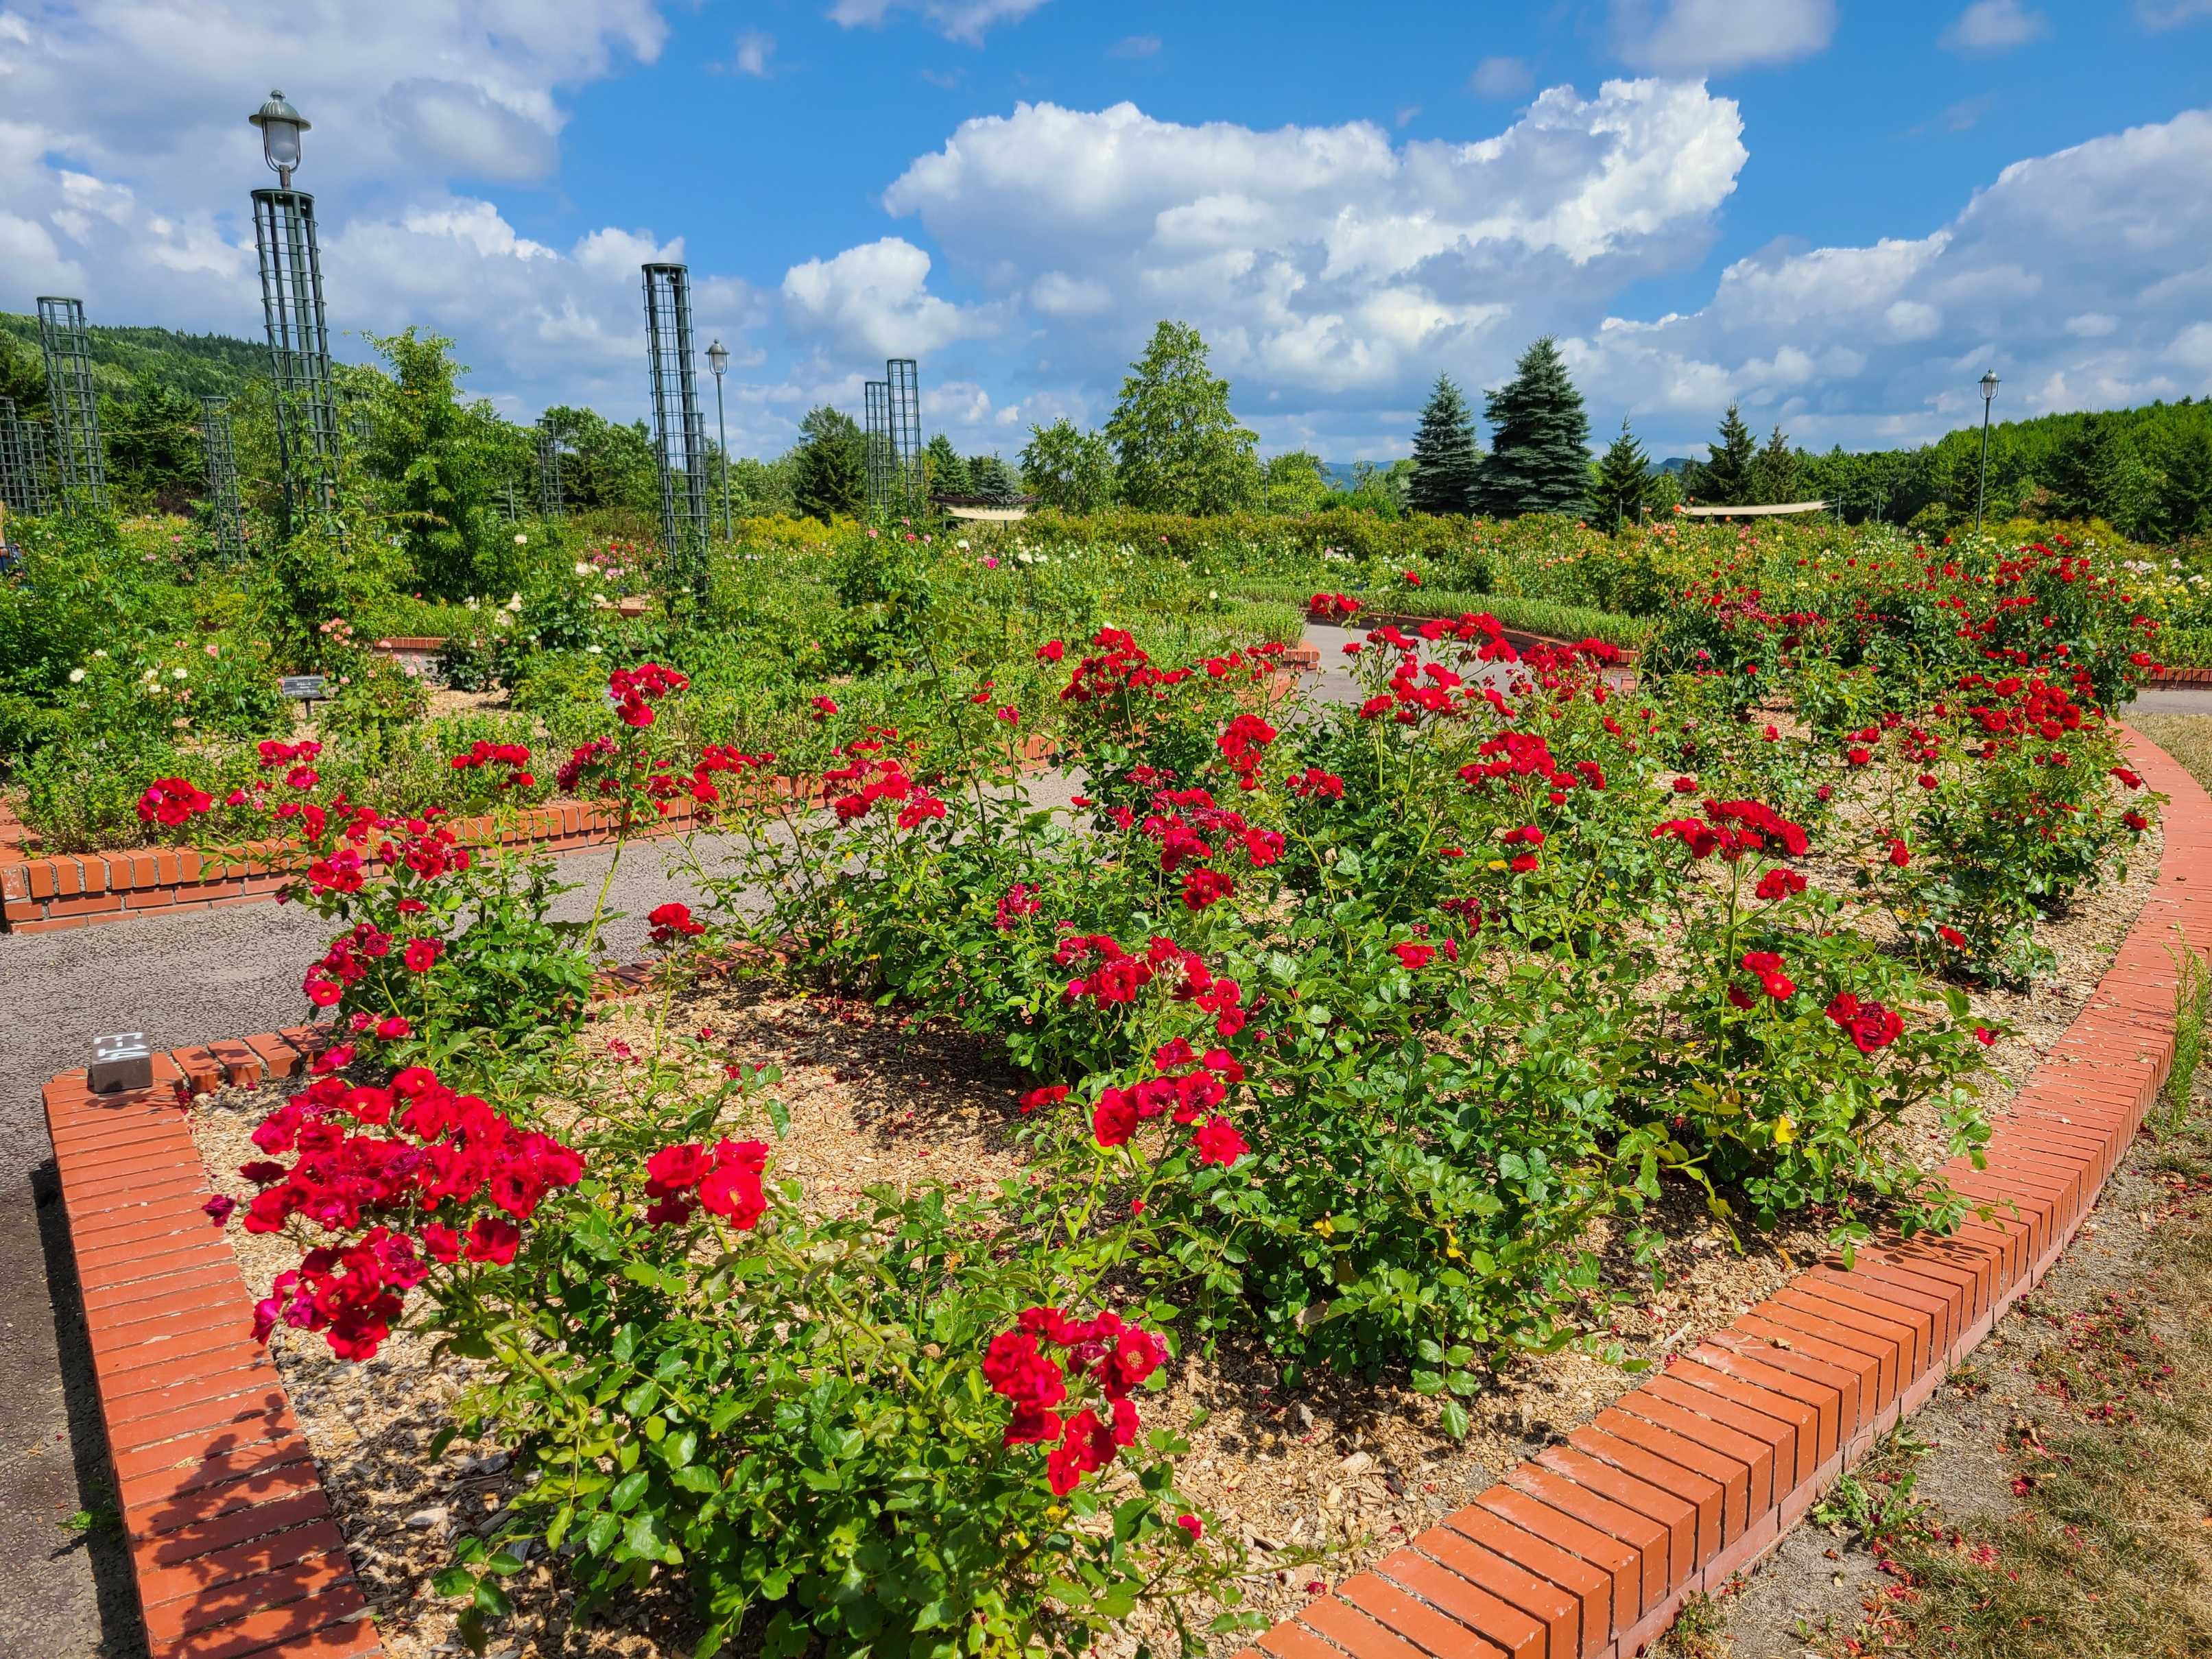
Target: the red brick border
pixel 2178 677
pixel 1586 1550
pixel 44 895
pixel 233 1544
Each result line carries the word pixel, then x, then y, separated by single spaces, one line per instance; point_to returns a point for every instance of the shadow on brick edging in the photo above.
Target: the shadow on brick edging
pixel 1585 1552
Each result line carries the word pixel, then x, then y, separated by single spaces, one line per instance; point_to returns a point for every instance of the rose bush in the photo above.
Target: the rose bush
pixel 1361 1032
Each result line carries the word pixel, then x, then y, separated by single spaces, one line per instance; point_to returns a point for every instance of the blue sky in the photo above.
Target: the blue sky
pixel 1836 210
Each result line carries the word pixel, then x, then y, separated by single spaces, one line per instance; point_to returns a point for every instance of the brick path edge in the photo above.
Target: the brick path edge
pixel 1586 1551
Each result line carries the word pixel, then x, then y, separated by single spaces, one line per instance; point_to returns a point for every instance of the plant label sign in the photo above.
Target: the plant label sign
pixel 306 687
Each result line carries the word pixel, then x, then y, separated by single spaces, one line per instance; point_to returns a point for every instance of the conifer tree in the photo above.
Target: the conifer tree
pixel 2080 474
pixel 1774 471
pixel 1724 477
pixel 1538 460
pixel 1177 446
pixel 831 474
pixel 947 473
pixel 1446 462
pixel 1622 489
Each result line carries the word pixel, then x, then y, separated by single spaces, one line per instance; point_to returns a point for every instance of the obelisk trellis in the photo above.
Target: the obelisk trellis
pixel 76 408
pixel 299 345
pixel 679 432
pixel 875 403
pixel 22 461
pixel 904 414
pixel 551 503
pixel 225 518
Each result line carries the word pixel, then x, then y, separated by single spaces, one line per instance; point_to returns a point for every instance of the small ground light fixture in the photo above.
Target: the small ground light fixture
pixel 120 1062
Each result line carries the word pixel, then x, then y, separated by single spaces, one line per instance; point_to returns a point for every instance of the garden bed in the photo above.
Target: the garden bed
pixel 1348 1467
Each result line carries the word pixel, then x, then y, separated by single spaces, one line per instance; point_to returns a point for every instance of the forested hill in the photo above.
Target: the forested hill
pixel 127 360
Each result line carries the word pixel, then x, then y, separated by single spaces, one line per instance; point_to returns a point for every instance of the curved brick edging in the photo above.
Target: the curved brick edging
pixel 1585 1552
pixel 44 895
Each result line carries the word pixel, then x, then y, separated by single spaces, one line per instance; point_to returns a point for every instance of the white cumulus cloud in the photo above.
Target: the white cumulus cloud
pixel 1711 37
pixel 1329 261
pixel 1994 26
pixel 875 299
pixel 964 21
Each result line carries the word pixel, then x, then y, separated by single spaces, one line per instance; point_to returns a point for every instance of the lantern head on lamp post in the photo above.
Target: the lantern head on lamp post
pixel 281 126
pixel 1981 494
pixel 718 359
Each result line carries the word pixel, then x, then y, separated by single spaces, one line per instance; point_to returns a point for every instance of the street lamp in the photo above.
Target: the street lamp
pixel 718 359
pixel 281 126
pixel 1982 495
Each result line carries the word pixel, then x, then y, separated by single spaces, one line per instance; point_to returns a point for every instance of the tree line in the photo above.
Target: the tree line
pixel 1173 444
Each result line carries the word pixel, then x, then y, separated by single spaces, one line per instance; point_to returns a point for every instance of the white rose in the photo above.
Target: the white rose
pixel 149 676
pixel 591 650
pixel 581 569
pixel 77 676
pixel 102 656
pixel 514 602
pixel 521 540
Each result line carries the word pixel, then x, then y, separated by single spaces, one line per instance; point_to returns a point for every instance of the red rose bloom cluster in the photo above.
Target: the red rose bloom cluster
pixel 635 690
pixel 482 755
pixel 172 801
pixel 725 1181
pixel 1765 967
pixel 1869 1024
pixel 1107 1352
pixel 1733 828
pixel 671 921
pixel 451 1153
pixel 880 779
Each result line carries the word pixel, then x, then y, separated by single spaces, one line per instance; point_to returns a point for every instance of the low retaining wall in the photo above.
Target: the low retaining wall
pixel 2179 677
pixel 44 895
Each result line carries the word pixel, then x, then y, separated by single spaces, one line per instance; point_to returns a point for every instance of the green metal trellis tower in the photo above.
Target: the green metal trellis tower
pixel 22 462
pixel 876 400
pixel 903 418
pixel 77 409
pixel 224 516
pixel 552 503
pixel 679 431
pixel 299 346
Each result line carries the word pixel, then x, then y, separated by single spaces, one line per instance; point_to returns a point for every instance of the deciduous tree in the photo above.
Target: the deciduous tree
pixel 1177 447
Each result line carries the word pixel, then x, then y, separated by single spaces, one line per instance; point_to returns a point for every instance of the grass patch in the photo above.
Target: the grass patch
pixel 2108 1549
pixel 2187 738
